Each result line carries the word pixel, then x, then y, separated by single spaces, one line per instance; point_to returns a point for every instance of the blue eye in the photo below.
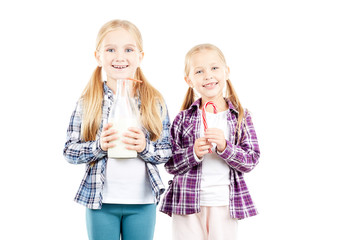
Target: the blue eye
pixel 128 50
pixel 215 68
pixel 110 50
pixel 198 72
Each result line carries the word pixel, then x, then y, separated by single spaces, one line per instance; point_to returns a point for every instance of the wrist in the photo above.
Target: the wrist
pixel 221 149
pixel 198 159
pixel 97 149
pixel 142 148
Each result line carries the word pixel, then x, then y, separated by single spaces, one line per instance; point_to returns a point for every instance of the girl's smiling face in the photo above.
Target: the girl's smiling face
pixel 119 55
pixel 208 74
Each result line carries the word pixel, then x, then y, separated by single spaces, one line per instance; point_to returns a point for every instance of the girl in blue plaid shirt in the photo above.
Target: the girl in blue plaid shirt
pixel 120 194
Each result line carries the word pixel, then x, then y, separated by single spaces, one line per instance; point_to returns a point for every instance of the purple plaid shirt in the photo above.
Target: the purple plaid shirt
pixel 241 154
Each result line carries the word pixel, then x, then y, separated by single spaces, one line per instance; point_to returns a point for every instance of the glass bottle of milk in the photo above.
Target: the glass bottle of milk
pixel 123 114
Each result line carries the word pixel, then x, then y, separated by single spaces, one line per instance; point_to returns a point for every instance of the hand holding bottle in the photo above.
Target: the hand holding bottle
pixel 107 136
pixel 134 139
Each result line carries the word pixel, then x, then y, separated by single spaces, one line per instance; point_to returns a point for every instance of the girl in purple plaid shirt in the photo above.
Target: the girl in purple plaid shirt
pixel 208 193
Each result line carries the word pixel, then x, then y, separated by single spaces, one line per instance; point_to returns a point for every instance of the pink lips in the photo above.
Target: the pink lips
pixel 210 85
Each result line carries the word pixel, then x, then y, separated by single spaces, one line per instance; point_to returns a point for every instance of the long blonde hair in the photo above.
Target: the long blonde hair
pixel 92 95
pixel 230 91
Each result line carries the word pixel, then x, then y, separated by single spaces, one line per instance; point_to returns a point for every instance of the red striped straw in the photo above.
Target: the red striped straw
pixel 132 79
pixel 203 114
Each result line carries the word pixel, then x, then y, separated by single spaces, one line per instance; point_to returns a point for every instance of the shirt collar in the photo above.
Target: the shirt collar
pixel 107 90
pixel 197 103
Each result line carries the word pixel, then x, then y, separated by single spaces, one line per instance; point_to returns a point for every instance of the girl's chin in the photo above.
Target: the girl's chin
pixel 211 93
pixel 122 76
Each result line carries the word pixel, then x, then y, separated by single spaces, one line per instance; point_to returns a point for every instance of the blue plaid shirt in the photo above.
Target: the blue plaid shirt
pixel 77 151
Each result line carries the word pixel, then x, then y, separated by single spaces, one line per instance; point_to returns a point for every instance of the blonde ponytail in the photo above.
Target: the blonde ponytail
pixel 232 96
pixel 92 98
pixel 189 99
pixel 151 117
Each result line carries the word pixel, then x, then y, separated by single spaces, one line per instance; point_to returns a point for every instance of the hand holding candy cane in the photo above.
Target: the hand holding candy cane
pixel 203 114
pixel 213 135
pixel 201 147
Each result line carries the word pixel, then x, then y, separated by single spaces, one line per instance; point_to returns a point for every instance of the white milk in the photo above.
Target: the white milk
pixel 119 151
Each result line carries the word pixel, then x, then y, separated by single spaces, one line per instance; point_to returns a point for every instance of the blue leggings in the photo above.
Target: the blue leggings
pixel 131 221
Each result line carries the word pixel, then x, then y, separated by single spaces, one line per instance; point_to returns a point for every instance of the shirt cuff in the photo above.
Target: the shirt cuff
pixel 228 151
pixel 218 152
pixel 145 154
pixel 97 151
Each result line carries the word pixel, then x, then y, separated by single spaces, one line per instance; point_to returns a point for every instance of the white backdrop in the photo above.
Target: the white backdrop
pixel 294 64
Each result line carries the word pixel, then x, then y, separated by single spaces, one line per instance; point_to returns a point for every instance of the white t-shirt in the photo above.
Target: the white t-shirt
pixel 215 177
pixel 126 182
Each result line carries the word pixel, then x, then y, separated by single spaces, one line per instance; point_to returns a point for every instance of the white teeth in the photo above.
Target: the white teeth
pixel 209 84
pixel 120 67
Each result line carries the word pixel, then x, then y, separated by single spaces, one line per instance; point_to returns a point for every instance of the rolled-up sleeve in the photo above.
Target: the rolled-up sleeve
pixel 77 151
pixel 159 151
pixel 244 155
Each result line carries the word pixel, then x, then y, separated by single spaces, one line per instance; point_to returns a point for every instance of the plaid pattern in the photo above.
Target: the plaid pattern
pixel 77 151
pixel 241 154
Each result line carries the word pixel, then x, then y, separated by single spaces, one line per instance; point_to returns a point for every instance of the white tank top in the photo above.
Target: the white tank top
pixel 215 177
pixel 127 182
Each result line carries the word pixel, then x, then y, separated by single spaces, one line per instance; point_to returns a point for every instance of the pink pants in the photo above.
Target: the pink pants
pixel 211 223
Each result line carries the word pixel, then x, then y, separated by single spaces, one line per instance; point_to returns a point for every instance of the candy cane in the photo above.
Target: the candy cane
pixel 203 114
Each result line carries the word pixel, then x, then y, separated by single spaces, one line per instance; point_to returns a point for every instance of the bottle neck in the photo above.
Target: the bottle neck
pixel 124 88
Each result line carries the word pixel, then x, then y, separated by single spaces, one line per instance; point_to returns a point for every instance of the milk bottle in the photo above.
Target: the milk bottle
pixel 123 114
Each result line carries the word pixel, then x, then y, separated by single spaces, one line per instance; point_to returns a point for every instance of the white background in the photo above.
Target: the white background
pixel 294 64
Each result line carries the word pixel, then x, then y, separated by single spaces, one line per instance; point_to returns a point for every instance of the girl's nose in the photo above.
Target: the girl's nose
pixel 208 76
pixel 119 56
